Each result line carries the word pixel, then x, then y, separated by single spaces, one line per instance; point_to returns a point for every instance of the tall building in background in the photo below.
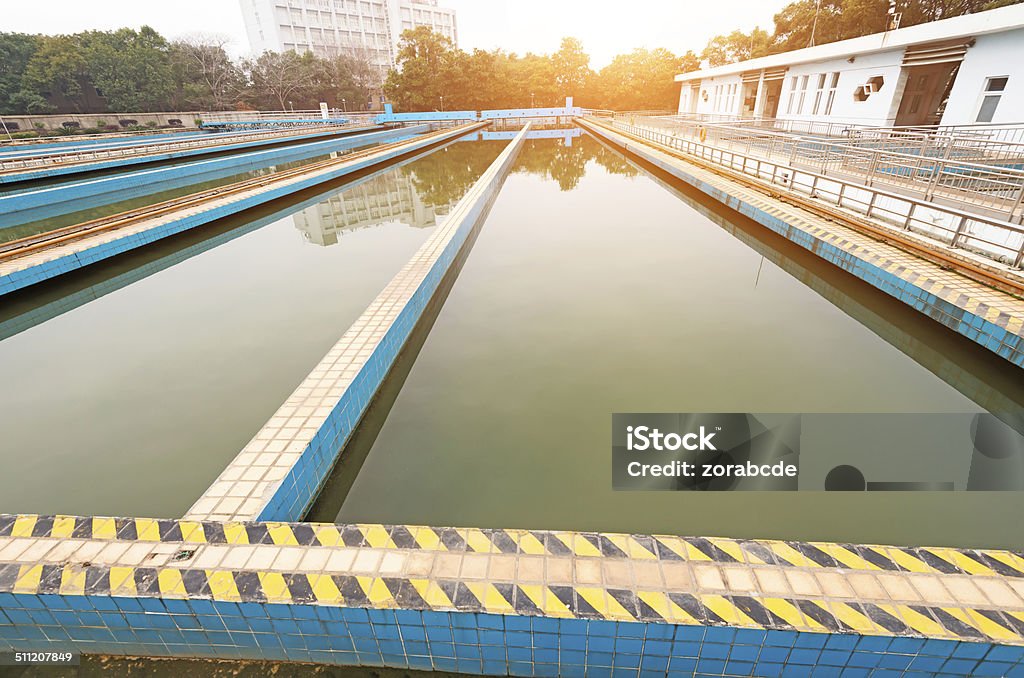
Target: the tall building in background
pixel 365 28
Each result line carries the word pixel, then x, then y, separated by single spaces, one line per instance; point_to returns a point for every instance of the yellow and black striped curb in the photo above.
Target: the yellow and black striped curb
pixel 932 560
pixel 580 602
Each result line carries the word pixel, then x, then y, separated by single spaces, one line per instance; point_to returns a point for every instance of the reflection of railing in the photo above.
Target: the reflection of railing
pixel 975 175
pixel 272 116
pixel 990 237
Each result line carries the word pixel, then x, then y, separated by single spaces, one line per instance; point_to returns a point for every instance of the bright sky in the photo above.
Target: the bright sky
pixel 606 28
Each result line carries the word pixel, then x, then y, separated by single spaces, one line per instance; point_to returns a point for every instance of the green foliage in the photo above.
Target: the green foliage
pixel 131 68
pixel 809 22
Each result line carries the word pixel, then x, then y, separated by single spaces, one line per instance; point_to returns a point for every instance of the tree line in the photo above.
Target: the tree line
pixel 806 23
pixel 131 70
pixel 139 70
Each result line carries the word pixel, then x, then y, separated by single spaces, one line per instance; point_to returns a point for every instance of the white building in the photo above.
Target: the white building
pixel 367 28
pixel 957 71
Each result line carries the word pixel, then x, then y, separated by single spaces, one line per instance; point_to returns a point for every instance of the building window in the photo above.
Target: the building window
pixel 792 94
pixel 990 96
pixel 832 87
pixel 803 94
pixel 819 93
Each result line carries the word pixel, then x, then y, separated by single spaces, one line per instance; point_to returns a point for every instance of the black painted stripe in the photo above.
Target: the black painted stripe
pixel 214 532
pixel 405 594
pixel 82 529
pixel 877 559
pixel 997 566
pixel 146 581
pixel 97 579
pixel 125 529
pixel 403 538
pixel 566 595
pixel 49 578
pixel 647 542
pixel 887 621
pixel 710 550
pixel 304 534
pixel 299 587
pixel 249 586
pixel 814 554
pixel 7 525
pixel 609 549
pixel 664 552
pixel 820 615
pixel 502 540
pixel 759 551
pixel 452 540
pixel 465 600
pixel 350 589
pixel 932 560
pixel 627 599
pixel 524 604
pixel 553 544
pixel 692 606
pixel 952 624
pixel 43 526
pixel 195 582
pixel 170 530
pixel 258 533
pixel 756 610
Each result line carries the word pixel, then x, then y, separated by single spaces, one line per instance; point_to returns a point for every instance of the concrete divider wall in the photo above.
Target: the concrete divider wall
pixel 23 272
pixel 277 475
pixel 93 192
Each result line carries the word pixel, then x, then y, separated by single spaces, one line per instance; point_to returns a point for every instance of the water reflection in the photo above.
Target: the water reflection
pixel 566 164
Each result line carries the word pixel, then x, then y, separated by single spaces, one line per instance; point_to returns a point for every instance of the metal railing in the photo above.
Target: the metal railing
pixel 87 154
pixel 993 238
pixel 942 170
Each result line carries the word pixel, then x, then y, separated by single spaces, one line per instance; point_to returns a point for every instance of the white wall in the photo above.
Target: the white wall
pixel 1000 54
pixel 877 110
pixel 726 104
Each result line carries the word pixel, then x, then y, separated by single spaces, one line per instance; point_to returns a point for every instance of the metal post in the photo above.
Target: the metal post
pixel 959 229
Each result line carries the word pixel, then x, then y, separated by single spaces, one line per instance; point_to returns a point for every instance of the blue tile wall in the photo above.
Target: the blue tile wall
pixel 473 642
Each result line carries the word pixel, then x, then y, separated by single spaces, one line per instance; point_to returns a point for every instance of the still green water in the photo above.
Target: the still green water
pixel 595 288
pixel 132 403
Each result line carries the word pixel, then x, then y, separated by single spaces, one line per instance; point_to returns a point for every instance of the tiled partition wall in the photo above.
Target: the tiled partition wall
pixel 277 474
pixel 991 318
pixel 507 601
pixel 35 267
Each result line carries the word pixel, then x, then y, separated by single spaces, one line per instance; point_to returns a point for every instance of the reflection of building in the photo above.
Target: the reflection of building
pixel 388 198
pixel 957 71
pixel 365 28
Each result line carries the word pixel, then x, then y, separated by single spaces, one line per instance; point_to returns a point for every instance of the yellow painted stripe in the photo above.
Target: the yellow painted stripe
pixel 734 550
pixel 281 534
pixel 597 599
pixel 63 526
pixel 72 581
pixel 147 529
pixel 676 545
pixel 963 562
pixel 104 528
pixel 907 561
pixel 324 588
pixel 680 615
pixel 171 584
pixel 846 557
pixel 428 539
pixel 122 581
pixel 327 535
pixel 274 587
pixel 1007 558
pixel 222 585
pixel 235 533
pixel 789 613
pixel 490 598
pixel 921 623
pixel 851 617
pixel 790 554
pixel 658 602
pixel 23 526
pixel 377 591
pixel 530 544
pixel 192 532
pixel 989 627
pixel 553 607
pixel 28 579
pixel 377 537
pixel 727 611
pixel 431 593
pixel 478 541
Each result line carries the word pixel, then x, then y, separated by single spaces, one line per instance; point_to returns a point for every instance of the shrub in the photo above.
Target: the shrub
pixel 128 122
pixel 24 135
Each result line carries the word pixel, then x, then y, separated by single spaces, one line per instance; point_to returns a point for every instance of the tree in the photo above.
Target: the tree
pixel 57 69
pixel 16 50
pixel 427 66
pixel 204 75
pixel 131 68
pixel 737 46
pixel 277 78
pixel 571 67
pixel 641 80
